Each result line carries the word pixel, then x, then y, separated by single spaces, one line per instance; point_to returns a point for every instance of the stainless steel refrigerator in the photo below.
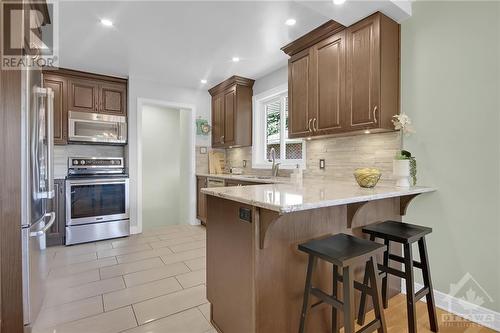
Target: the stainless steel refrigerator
pixel 37 187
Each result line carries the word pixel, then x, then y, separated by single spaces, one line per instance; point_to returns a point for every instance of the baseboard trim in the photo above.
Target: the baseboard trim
pixel 135 230
pixel 478 314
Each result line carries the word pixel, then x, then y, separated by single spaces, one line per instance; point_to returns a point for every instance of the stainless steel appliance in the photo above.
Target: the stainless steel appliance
pixel 97 128
pixel 97 199
pixel 37 187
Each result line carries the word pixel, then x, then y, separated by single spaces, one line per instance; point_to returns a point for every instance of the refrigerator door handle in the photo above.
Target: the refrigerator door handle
pixel 42 231
pixel 50 143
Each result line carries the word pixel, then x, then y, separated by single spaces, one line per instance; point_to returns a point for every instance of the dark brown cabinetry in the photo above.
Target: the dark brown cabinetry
pixel 83 92
pixel 56 234
pixel 232 113
pixel 201 202
pixel 344 80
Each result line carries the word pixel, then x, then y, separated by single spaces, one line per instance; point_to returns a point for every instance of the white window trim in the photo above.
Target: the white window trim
pixel 258 132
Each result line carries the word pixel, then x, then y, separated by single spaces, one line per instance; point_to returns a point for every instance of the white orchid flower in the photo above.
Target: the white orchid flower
pixel 402 122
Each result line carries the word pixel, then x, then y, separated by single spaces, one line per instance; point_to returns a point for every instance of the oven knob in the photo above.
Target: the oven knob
pixel 82 162
pixel 75 162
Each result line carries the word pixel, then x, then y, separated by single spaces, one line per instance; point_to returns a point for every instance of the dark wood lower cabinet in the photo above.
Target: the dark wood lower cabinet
pixel 56 234
pixel 201 200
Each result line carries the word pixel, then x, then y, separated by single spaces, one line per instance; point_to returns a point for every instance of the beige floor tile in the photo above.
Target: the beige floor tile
pixel 81 267
pixel 72 280
pixel 140 293
pixel 163 306
pixel 200 236
pixel 64 313
pixel 189 321
pixel 84 291
pixel 191 279
pixel 180 234
pixel 196 264
pixel 134 241
pixel 123 250
pixel 74 259
pixel 183 256
pixel 143 255
pixel 188 246
pixel 205 310
pixel 164 230
pixel 75 250
pixel 108 322
pixel 122 269
pixel 154 274
pixel 175 241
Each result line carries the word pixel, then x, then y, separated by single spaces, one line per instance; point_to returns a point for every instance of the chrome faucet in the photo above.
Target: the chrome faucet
pixel 276 166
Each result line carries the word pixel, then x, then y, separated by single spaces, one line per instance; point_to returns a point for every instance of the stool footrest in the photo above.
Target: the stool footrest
pixel 421 293
pixel 358 285
pixel 392 271
pixel 402 260
pixel 372 326
pixel 327 298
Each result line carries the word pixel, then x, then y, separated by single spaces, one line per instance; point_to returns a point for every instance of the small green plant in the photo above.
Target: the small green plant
pixel 406 155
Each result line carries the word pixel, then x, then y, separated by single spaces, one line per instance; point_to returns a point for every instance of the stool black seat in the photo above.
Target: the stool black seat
pixel 406 234
pixel 344 251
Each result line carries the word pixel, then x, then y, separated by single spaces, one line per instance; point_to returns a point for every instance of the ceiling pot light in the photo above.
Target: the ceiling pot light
pixel 290 22
pixel 338 2
pixel 203 81
pixel 106 22
pixel 236 59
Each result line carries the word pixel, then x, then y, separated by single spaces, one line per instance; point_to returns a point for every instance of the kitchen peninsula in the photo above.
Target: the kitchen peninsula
pixel 255 273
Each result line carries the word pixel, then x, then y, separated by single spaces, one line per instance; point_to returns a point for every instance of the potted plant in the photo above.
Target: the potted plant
pixel 404 164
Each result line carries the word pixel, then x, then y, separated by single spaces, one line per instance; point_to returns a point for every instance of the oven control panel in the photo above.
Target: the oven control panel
pixel 86 162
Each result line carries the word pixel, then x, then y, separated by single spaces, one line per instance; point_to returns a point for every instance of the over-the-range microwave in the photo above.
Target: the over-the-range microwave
pixel 96 128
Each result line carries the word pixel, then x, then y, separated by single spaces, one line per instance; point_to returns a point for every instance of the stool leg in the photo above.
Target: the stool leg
pixel 335 320
pixel 349 306
pixel 386 276
pixel 362 302
pixel 431 306
pixel 377 297
pixel 305 306
pixel 410 289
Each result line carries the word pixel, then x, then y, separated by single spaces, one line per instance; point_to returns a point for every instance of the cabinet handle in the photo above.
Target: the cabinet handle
pixel 375 114
pixel 309 125
pixel 314 125
pixel 222 139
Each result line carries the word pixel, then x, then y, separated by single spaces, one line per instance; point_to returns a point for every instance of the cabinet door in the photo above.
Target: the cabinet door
pixel 229 116
pixel 56 234
pixel 329 71
pixel 83 95
pixel 201 207
pixel 218 120
pixel 299 80
pixel 363 73
pixel 113 99
pixel 58 85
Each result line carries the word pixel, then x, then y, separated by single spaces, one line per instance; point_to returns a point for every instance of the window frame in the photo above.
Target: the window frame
pixel 259 160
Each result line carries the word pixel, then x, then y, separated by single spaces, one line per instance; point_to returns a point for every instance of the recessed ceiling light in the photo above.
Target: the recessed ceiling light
pixel 338 2
pixel 106 22
pixel 290 22
pixel 236 59
pixel 203 81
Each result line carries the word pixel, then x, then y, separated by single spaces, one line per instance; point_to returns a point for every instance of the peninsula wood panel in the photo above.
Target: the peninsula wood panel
pixel 59 87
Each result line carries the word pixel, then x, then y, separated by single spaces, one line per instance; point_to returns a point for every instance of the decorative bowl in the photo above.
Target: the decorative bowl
pixel 367 177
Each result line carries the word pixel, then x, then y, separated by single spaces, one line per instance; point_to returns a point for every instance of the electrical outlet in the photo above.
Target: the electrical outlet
pixel 322 164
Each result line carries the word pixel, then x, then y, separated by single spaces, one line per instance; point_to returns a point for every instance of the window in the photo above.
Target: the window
pixel 271 131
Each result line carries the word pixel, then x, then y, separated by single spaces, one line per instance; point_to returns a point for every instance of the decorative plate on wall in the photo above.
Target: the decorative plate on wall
pixel 202 127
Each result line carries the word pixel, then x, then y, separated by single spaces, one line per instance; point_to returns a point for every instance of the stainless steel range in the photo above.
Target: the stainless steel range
pixel 97 199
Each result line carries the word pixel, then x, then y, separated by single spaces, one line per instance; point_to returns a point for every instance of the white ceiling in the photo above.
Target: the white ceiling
pixel 180 43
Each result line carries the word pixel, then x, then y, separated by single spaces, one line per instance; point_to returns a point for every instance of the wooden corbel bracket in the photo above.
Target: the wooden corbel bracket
pixel 352 209
pixel 404 201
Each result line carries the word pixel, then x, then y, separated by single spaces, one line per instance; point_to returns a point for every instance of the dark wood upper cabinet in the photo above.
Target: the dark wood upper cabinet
pixel 232 113
pixel 83 95
pixel 344 80
pixel 113 98
pixel 59 86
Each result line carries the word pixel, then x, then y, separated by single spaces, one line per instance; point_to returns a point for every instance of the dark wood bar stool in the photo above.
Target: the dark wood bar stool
pixel 345 252
pixel 406 234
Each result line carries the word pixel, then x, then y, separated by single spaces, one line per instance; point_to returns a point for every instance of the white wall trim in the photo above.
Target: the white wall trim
pixel 192 166
pixel 479 315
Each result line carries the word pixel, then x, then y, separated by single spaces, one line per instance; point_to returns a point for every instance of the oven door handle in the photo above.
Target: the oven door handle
pixel 96 182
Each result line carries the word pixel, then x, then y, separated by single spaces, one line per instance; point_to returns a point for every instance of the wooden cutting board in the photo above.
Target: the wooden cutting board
pixel 216 162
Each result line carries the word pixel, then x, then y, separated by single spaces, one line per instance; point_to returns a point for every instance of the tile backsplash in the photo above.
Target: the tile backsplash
pixel 61 154
pixel 341 154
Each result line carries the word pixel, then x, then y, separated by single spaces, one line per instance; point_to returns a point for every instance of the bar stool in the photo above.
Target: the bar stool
pixel 406 234
pixel 344 251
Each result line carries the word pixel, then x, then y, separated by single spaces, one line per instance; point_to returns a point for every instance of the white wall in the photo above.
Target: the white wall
pixel 271 80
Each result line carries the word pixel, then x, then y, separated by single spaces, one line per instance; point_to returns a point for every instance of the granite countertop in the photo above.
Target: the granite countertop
pixel 286 198
pixel 248 178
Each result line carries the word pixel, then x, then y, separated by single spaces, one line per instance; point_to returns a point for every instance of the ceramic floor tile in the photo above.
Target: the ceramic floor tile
pixel 200 236
pixel 189 321
pixel 134 241
pixel 192 279
pixel 140 293
pixel 136 266
pixel 75 259
pixel 84 291
pixel 165 230
pixel 188 246
pixel 72 280
pixel 205 310
pixel 165 243
pixel 123 250
pixel 180 234
pixel 75 250
pixel 81 267
pixel 154 274
pixel 64 313
pixel 196 264
pixel 143 255
pixel 108 322
pixel 163 306
pixel 183 256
